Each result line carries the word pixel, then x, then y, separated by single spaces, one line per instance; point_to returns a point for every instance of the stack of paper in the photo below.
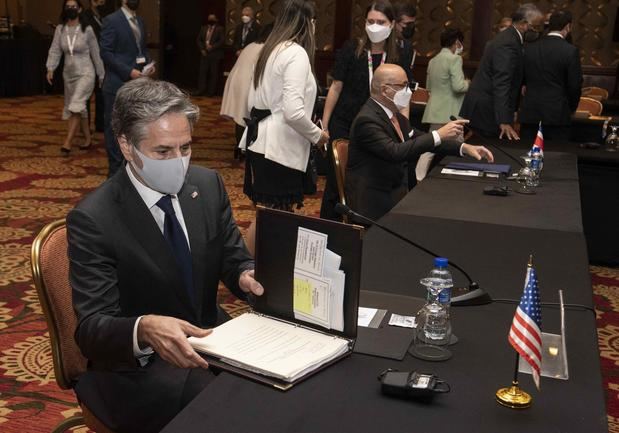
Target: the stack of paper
pixel 318 282
pixel 270 347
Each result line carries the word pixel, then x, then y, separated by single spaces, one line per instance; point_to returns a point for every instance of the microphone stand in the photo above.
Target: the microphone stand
pixel 473 295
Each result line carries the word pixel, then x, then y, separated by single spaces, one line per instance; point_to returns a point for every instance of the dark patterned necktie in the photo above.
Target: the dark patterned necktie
pixel 175 237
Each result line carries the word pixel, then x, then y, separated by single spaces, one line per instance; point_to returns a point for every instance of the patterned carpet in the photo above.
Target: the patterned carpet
pixel 38 186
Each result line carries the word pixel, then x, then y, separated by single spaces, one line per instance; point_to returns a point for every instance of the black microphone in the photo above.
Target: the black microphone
pixel 513 158
pixel 472 295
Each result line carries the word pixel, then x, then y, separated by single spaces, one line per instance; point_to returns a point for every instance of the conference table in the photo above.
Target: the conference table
pixel 491 238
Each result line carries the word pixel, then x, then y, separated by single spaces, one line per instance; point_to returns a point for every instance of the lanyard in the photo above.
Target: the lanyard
pixel 71 41
pixel 371 65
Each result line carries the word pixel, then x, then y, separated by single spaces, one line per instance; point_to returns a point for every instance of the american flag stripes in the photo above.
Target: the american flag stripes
pixel 525 334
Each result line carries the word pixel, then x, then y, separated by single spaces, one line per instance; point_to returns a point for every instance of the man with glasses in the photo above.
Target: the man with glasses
pixel 382 142
pixel 493 96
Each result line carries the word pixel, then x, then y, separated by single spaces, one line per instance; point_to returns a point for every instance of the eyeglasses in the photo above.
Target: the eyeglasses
pixel 412 85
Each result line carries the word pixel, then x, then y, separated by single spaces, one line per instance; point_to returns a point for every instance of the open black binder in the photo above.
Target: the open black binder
pixel 276 241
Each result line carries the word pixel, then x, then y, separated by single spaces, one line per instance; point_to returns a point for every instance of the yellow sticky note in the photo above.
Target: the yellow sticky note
pixel 302 298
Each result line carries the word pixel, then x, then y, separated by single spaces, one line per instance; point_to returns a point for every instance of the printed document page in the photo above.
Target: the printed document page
pixel 270 347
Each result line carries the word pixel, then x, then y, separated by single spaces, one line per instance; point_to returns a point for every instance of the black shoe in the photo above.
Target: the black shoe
pixel 64 151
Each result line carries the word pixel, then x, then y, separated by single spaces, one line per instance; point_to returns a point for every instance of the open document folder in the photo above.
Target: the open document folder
pixel 270 347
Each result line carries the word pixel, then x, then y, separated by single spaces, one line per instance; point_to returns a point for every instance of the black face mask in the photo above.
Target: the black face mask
pixel 409 31
pixel 531 36
pixel 71 13
pixel 133 4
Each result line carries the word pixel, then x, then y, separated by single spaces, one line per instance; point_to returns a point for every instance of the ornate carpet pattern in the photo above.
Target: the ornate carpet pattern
pixel 38 186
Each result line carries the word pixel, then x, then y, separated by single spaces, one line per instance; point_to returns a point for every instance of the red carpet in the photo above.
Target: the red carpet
pixel 38 186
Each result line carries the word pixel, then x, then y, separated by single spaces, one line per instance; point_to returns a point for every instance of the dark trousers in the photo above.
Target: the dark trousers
pixel 141 400
pixel 114 156
pixel 99 110
pixel 330 197
pixel 528 132
pixel 209 73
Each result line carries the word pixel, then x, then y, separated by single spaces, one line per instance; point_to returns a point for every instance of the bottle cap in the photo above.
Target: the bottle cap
pixel 440 262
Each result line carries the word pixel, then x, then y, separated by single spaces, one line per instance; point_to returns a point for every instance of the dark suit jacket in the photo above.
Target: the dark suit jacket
pixel 492 97
pixel 252 35
pixel 119 50
pixel 553 77
pixel 217 40
pixel 121 267
pixel 376 174
pixel 90 18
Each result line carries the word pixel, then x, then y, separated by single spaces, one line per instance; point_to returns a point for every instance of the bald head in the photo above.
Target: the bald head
pixel 387 74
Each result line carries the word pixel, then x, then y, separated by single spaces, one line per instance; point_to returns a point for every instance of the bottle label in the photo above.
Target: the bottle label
pixel 445 296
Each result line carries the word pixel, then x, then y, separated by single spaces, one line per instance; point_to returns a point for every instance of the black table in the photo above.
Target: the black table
pixel 346 396
pixel 22 66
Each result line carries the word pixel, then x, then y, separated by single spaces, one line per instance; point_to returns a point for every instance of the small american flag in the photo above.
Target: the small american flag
pixel 525 334
pixel 538 144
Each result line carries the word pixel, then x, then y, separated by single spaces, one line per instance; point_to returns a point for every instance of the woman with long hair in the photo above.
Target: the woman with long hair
pixel 282 98
pixel 354 68
pixel 75 40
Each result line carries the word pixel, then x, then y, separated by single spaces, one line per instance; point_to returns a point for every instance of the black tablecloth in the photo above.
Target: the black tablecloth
pixel 346 396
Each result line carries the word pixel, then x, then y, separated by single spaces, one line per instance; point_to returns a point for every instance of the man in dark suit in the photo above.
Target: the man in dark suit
pixel 211 44
pixel 147 250
pixel 382 142
pixel 493 95
pixel 247 31
pixel 92 16
pixel 553 79
pixel 124 53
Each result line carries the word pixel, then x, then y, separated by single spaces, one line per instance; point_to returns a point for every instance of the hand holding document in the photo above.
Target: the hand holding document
pixel 270 347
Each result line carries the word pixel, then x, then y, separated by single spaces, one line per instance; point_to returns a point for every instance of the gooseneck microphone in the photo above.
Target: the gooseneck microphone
pixel 513 158
pixel 472 295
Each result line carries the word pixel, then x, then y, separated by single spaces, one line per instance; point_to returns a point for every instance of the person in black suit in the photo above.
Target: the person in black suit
pixel 93 17
pixel 493 95
pixel 382 142
pixel 553 79
pixel 247 31
pixel 147 250
pixel 211 44
pixel 124 53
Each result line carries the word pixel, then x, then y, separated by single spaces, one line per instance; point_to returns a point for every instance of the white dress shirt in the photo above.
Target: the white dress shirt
pixel 151 197
pixel 288 89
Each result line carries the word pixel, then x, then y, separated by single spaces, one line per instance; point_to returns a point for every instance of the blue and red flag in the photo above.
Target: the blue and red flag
pixel 538 144
pixel 525 334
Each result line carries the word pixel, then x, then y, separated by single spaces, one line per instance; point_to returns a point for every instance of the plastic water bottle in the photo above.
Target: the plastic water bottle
pixel 437 324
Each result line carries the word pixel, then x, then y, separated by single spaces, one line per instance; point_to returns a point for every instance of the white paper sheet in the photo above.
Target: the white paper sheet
pixel 365 316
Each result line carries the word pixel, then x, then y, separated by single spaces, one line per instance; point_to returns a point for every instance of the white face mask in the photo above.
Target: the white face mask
pixel 164 175
pixel 377 33
pixel 402 98
pixel 245 19
pixel 459 49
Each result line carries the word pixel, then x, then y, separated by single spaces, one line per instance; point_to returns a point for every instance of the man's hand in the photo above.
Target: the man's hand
pixel 477 152
pixel 135 74
pixel 452 130
pixel 248 283
pixel 508 132
pixel 168 337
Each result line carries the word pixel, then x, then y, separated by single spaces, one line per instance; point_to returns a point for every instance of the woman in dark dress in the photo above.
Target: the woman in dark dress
pixel 354 67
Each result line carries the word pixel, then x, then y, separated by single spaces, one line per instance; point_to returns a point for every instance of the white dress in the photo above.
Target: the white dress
pixel 234 102
pixel 79 68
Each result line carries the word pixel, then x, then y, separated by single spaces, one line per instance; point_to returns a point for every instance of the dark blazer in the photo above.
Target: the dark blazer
pixel 376 174
pixel 217 40
pixel 553 77
pixel 252 35
pixel 119 50
pixel 121 267
pixel 90 18
pixel 492 97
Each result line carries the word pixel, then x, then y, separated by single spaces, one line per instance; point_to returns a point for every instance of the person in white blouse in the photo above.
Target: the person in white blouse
pixel 281 101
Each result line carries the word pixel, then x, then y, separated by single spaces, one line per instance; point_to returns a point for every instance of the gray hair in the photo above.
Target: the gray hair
pixel 527 12
pixel 143 101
